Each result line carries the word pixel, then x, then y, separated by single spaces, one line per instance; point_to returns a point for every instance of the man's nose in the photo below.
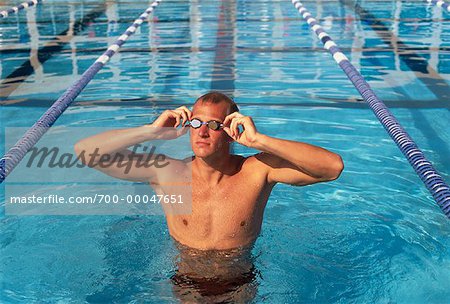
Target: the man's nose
pixel 203 131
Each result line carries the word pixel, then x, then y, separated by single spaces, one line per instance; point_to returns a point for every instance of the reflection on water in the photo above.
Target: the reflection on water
pixel 215 276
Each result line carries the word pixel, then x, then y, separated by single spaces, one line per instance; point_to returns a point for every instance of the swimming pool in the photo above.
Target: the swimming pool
pixel 374 235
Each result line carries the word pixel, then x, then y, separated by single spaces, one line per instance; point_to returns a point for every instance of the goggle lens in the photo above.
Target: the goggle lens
pixel 195 123
pixel 212 124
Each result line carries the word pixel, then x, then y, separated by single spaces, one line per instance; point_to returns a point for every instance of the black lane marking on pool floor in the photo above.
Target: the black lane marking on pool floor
pixel 293 49
pixel 416 63
pixel 169 103
pixel 224 66
pixel 172 76
pixel 256 20
pixel 18 76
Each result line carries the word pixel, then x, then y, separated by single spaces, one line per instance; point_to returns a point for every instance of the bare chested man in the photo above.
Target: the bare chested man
pixel 229 192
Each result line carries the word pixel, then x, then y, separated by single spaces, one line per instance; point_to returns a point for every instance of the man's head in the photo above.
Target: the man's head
pixel 216 98
pixel 211 106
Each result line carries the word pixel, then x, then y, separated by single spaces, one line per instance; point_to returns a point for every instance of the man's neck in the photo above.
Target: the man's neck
pixel 212 169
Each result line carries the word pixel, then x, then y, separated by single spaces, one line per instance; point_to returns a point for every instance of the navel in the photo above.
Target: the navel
pixel 185 222
pixel 242 223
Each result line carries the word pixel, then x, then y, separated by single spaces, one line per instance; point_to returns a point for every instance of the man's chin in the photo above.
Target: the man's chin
pixel 201 153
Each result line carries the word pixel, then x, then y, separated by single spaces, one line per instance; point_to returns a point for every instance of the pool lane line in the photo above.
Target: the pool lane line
pixel 224 66
pixel 416 63
pixel 324 102
pixel 15 154
pixel 440 3
pixel 46 52
pixel 15 9
pixel 423 167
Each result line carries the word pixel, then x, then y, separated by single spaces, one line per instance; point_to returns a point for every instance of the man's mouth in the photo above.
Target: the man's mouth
pixel 202 143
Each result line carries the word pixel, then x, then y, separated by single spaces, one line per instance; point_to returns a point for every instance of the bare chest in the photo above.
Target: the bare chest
pixel 230 212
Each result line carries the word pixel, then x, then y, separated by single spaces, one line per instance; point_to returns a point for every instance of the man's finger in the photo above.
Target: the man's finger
pixel 183 108
pixel 186 110
pixel 176 115
pixel 229 118
pixel 232 116
pixel 232 129
pixel 185 113
pixel 240 122
pixel 235 127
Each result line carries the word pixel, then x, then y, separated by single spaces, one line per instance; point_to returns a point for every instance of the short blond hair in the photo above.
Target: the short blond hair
pixel 217 97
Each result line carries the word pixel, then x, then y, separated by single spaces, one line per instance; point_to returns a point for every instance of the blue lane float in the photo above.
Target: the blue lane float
pixel 423 167
pixel 15 9
pixel 440 3
pixel 14 155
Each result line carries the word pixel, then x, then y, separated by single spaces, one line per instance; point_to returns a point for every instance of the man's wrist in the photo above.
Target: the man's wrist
pixel 148 132
pixel 260 142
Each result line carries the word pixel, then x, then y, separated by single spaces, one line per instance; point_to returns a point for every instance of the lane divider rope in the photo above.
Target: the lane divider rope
pixel 423 167
pixel 440 3
pixel 14 155
pixel 15 9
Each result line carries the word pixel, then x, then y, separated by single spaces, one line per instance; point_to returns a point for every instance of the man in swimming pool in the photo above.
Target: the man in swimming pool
pixel 229 192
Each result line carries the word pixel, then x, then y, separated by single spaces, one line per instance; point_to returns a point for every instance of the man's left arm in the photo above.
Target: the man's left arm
pixel 286 161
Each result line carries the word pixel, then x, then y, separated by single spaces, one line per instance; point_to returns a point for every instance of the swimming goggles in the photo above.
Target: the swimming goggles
pixel 212 124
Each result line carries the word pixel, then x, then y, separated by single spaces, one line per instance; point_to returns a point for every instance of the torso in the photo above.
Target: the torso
pixel 225 216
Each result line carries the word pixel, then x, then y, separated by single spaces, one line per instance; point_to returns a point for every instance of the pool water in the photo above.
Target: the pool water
pixel 375 235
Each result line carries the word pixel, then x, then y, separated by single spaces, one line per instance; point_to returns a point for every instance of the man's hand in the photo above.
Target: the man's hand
pixel 249 134
pixel 171 119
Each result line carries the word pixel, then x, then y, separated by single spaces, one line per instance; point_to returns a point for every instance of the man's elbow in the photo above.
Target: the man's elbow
pixel 80 150
pixel 336 168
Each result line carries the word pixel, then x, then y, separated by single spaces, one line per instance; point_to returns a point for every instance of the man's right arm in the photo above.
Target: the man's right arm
pixel 109 153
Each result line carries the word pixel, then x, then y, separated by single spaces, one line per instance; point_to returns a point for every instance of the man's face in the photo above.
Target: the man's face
pixel 205 141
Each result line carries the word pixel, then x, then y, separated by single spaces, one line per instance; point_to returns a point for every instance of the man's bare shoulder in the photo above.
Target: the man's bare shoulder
pixel 254 168
pixel 259 162
pixel 262 163
pixel 261 159
pixel 174 165
pixel 175 169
